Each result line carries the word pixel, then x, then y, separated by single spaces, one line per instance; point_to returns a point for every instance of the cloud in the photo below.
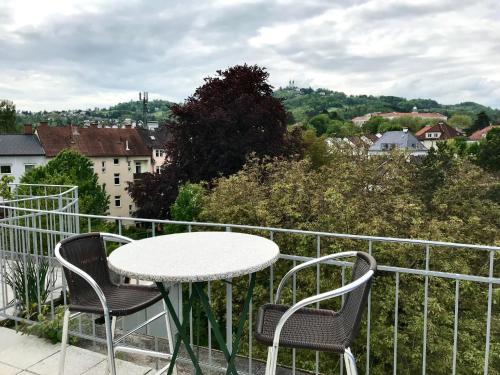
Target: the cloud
pixel 66 54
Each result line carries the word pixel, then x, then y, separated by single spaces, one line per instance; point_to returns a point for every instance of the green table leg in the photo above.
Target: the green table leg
pixel 230 357
pixel 181 328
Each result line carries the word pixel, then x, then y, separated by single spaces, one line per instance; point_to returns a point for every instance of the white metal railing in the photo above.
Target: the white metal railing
pixel 24 228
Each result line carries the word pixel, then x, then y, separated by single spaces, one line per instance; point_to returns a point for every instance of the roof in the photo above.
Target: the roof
pixel 92 141
pixel 481 133
pixel 447 132
pixel 156 138
pixel 400 139
pixel 20 144
pixel 413 114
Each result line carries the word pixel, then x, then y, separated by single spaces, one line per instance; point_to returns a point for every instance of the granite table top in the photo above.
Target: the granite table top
pixel 194 257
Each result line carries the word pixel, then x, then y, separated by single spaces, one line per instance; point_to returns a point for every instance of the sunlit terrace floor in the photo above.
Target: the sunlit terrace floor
pixel 22 354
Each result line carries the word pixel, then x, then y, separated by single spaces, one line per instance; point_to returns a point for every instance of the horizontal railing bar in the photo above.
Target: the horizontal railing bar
pixel 272 229
pixel 448 275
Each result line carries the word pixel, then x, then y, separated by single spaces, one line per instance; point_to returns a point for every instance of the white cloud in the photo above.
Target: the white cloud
pixel 73 54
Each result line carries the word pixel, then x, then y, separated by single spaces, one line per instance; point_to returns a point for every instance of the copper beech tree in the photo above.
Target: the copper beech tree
pixel 231 116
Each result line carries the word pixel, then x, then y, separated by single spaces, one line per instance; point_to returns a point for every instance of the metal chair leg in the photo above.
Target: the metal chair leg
pixel 64 342
pixel 109 343
pixel 350 362
pixel 113 328
pixel 169 334
pixel 272 359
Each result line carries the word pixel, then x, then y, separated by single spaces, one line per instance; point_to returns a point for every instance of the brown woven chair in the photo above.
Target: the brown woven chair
pixel 92 291
pixel 318 329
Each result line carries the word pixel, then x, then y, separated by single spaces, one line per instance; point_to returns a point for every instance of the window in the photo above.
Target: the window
pixel 117 178
pixel 137 167
pixel 118 202
pixel 116 161
pixel 129 167
pixel 159 152
pixel 103 166
pixel 28 167
pixel 158 169
pixel 5 169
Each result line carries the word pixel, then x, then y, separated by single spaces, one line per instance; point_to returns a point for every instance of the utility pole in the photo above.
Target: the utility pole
pixel 143 97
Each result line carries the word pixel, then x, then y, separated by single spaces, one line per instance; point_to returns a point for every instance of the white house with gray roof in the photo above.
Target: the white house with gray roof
pixel 19 153
pixel 399 140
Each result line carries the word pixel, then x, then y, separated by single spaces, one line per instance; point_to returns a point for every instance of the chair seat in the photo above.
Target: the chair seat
pixel 316 329
pixel 121 299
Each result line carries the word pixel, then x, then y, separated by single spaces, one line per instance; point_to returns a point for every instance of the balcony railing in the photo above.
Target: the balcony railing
pixel 433 307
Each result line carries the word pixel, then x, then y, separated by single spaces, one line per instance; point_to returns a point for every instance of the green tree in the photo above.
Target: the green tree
pixel 188 204
pixel 482 120
pixel 320 123
pixel 5 191
pixel 71 168
pixel 360 195
pixel 7 117
pixel 373 124
pixel 460 121
pixel 488 156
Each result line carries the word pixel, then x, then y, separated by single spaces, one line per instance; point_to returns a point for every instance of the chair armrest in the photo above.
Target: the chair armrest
pixel 116 237
pixel 85 276
pixel 318 298
pixel 308 264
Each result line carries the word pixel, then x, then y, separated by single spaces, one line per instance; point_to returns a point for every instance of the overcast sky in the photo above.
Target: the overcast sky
pixel 67 54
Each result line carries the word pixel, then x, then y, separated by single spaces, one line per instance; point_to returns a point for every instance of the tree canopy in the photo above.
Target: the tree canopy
pixel 71 168
pixel 7 117
pixel 231 116
pixel 488 155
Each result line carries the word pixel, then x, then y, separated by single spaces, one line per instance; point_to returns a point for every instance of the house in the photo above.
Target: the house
pixel 20 153
pixel 355 145
pixel 431 134
pixel 481 134
pixel 117 154
pixel 156 140
pixel 399 140
pixel 360 120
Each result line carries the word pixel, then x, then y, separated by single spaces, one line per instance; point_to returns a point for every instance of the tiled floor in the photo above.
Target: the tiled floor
pixel 21 354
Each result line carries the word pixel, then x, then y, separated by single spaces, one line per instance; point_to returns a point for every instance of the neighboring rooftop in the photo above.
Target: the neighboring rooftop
pixel 443 130
pixel 156 138
pixel 480 134
pixel 20 145
pixel 403 140
pixel 92 141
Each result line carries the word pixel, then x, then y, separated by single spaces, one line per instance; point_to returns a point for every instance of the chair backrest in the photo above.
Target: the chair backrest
pixel 86 252
pixel 355 303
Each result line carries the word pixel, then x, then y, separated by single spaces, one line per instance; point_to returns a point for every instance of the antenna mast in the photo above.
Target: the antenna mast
pixel 143 97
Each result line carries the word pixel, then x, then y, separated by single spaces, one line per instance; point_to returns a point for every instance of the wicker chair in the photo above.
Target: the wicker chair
pixel 318 329
pixel 84 261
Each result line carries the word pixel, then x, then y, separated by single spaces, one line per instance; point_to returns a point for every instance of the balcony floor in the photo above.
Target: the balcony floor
pixel 22 354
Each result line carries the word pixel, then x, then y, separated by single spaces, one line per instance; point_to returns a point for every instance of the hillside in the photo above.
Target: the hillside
pixel 305 103
pixel 302 103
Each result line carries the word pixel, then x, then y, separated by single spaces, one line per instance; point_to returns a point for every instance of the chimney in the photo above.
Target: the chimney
pixel 28 129
pixel 405 130
pixel 126 146
pixel 93 124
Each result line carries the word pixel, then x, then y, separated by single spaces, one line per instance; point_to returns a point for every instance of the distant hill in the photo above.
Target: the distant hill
pixel 304 103
pixel 158 110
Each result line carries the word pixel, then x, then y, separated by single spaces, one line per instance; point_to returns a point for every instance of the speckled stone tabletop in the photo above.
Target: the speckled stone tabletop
pixel 195 256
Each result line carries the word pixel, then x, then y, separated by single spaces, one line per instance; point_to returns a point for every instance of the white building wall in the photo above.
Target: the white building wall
pixel 18 164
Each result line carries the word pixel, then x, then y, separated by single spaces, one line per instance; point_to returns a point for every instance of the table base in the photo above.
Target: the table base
pixel 198 293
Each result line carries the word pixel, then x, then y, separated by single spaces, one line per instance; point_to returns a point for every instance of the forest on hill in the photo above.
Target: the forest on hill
pixel 305 103
pixel 301 104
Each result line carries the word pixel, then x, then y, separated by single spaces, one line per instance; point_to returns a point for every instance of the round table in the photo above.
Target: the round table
pixel 196 257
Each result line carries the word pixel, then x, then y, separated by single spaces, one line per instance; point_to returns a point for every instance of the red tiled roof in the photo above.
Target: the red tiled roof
pixel 92 141
pixel 480 134
pixel 447 132
pixel 413 114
